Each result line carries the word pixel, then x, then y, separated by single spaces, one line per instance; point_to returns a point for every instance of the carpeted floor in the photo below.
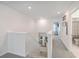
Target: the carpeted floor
pixel 10 55
pixel 60 51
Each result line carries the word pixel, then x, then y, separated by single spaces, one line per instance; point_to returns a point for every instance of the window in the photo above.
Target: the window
pixel 56 28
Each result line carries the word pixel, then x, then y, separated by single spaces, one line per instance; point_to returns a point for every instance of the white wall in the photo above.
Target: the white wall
pixel 10 20
pixel 67 39
pixel 13 21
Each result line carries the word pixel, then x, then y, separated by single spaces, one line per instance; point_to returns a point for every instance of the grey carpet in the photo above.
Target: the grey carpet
pixel 60 51
pixel 10 55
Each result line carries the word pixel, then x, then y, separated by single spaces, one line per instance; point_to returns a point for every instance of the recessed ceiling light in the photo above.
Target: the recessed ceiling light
pixel 29 7
pixel 58 12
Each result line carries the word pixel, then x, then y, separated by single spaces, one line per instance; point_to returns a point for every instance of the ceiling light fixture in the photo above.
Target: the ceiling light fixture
pixel 29 7
pixel 58 12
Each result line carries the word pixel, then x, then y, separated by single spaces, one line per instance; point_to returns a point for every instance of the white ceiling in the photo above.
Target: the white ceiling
pixel 47 9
